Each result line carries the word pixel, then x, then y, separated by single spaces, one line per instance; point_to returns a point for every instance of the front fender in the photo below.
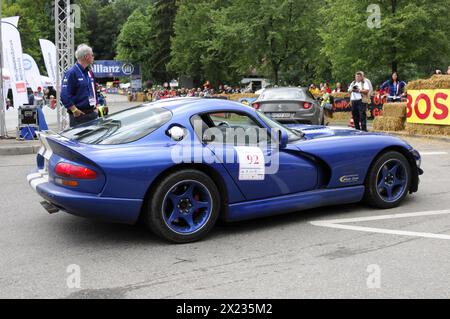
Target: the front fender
pixel 350 157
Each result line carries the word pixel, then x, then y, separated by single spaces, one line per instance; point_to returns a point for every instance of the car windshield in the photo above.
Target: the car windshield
pixel 120 128
pixel 283 94
pixel 293 135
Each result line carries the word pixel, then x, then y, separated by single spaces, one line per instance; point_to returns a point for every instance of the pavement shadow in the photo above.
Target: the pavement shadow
pixel 83 231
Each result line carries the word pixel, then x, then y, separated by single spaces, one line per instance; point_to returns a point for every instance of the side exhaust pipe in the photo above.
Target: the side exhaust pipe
pixel 49 207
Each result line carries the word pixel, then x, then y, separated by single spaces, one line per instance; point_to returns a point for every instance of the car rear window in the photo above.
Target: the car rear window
pixel 283 94
pixel 122 127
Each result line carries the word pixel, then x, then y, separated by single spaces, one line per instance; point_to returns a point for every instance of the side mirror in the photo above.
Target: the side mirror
pixel 176 133
pixel 283 139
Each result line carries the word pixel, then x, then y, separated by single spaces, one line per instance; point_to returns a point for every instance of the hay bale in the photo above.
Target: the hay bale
pixel 388 123
pixel 341 95
pixel 395 109
pixel 342 116
pixel 237 97
pixel 427 129
pixel 140 97
pixel 435 82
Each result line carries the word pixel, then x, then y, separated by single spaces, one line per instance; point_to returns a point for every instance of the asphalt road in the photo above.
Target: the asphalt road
pixel 278 257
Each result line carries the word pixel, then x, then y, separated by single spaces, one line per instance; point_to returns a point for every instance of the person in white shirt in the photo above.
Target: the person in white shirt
pixel 359 90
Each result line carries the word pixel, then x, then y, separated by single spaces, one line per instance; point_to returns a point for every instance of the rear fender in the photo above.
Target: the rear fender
pixel 63 154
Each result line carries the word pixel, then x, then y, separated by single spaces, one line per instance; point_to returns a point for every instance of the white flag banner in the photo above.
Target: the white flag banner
pixel 49 52
pixel 13 20
pixel 32 74
pixel 13 61
pixel 5 87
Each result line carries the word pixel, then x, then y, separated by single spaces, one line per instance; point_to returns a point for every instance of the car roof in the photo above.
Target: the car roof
pixel 199 105
pixel 287 88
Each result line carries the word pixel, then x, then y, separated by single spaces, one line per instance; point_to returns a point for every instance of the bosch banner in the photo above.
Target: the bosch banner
pixel 112 69
pixel 429 106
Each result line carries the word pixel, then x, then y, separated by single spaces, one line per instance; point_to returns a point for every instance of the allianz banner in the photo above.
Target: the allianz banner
pixel 429 106
pixel 113 69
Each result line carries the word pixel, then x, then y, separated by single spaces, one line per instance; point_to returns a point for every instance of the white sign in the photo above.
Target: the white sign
pixel 49 53
pixel 12 60
pixel 32 74
pixel 251 163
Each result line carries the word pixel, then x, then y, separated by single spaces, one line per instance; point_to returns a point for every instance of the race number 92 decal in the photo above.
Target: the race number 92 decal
pixel 251 163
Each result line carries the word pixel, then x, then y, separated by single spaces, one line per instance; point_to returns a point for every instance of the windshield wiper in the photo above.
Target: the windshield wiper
pixel 298 132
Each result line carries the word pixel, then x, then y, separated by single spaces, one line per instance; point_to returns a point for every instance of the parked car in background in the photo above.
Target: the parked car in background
pixel 290 105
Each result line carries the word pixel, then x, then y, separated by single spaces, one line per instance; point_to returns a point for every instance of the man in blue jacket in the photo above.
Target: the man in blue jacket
pixel 78 88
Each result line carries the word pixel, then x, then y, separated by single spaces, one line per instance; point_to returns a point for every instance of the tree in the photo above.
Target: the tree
pixel 133 44
pixel 37 22
pixel 413 38
pixel 34 23
pixel 196 49
pixel 162 19
pixel 225 40
pixel 145 39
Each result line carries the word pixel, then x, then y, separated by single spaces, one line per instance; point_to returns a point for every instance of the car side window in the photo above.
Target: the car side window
pixel 230 128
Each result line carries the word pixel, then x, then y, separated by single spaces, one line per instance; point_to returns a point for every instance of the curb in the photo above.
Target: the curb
pixel 431 137
pixel 19 150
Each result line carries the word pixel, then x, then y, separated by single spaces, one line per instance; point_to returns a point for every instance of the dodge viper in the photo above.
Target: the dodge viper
pixel 179 165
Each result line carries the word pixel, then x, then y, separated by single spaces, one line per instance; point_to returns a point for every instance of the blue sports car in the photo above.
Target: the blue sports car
pixel 178 165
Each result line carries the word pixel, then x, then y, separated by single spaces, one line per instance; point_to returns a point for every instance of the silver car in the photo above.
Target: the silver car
pixel 290 106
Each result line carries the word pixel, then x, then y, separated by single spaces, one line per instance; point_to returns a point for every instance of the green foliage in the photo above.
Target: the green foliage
pixel 289 41
pixel 106 19
pixel 145 39
pixel 196 48
pixel 225 40
pixel 34 23
pixel 413 38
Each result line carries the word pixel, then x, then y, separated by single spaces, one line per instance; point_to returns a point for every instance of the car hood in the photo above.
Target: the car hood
pixel 319 131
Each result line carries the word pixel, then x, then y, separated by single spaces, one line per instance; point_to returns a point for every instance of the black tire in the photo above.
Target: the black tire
pixel 373 195
pixel 153 214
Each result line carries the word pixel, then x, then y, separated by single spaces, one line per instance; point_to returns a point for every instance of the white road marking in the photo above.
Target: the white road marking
pixel 433 153
pixel 338 223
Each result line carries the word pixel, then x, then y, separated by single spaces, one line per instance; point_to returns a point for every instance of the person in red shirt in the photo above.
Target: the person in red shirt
pixel 326 88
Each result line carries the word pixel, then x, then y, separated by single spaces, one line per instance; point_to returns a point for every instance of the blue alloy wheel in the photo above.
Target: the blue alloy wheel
pixel 389 180
pixel 187 207
pixel 183 206
pixel 392 180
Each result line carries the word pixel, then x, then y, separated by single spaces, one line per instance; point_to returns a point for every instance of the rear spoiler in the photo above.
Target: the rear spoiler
pixel 45 150
pixel 54 143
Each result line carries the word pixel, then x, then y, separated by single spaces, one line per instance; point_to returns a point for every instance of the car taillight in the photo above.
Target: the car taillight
pixel 307 105
pixel 256 106
pixel 73 171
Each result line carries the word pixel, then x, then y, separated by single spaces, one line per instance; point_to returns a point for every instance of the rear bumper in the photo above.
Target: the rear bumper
pixel 120 210
pixel 305 116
